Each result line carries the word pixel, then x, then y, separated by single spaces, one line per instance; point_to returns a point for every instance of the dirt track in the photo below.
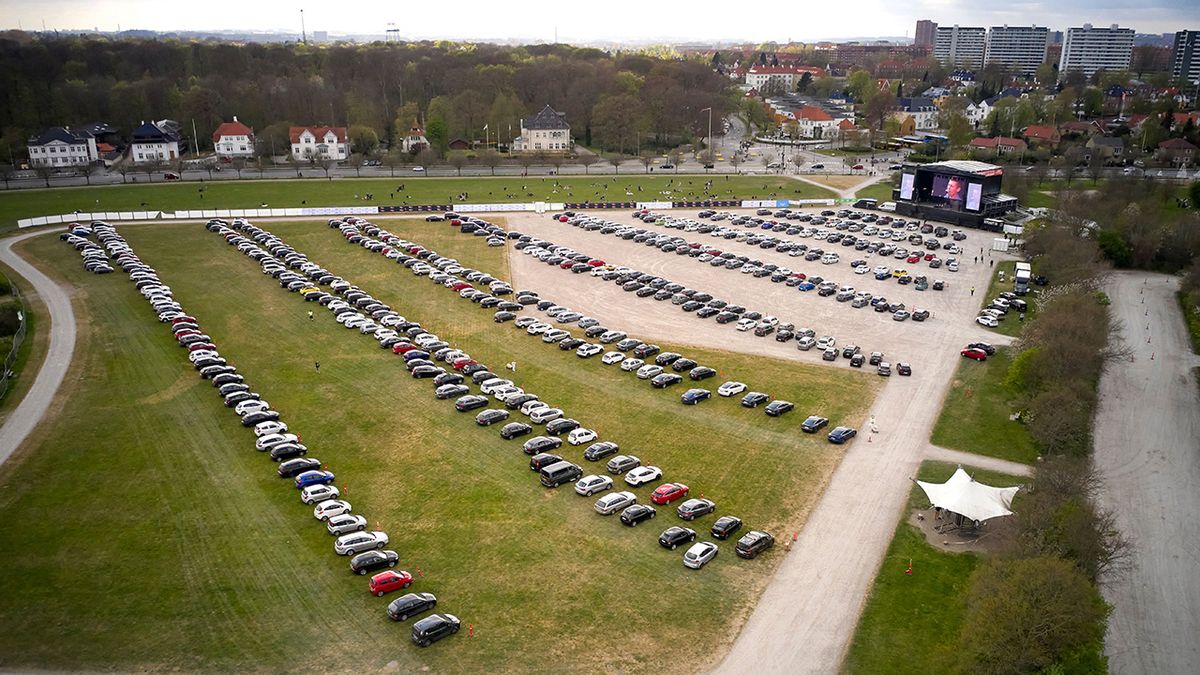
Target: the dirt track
pixel 806 617
pixel 1148 450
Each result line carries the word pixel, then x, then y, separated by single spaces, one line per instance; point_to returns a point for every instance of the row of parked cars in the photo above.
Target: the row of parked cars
pixel 998 308
pixel 95 260
pixel 553 469
pixel 297 274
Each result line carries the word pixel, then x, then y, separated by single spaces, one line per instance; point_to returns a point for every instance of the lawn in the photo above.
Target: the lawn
pixel 33 348
pixel 233 194
pixel 910 621
pixel 198 558
pixel 1191 318
pixel 878 191
pixel 1012 323
pixel 975 414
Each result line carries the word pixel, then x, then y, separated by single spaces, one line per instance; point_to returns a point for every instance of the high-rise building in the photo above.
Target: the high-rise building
pixel 1089 49
pixel 1020 48
pixel 1185 56
pixel 924 35
pixel 960 45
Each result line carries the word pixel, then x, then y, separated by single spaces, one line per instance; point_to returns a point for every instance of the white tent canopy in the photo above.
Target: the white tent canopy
pixel 976 501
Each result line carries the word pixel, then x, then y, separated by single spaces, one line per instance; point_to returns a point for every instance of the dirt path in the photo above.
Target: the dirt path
pixel 1148 450
pixel 30 410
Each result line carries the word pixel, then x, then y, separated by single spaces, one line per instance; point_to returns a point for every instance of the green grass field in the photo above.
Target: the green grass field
pixel 142 532
pixel 974 416
pixel 910 621
pixel 246 194
pixel 879 191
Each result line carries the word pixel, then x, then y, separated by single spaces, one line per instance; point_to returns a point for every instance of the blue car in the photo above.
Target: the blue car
pixel 413 354
pixel 314 478
pixel 841 434
pixel 694 396
pixel 806 286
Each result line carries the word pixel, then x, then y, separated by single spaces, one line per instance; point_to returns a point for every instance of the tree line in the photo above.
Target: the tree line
pixel 613 101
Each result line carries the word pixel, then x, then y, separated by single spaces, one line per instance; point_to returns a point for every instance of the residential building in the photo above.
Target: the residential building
pixel 780 79
pixel 1185 56
pixel 319 143
pixel 813 122
pixel 1088 49
pixel 414 141
pixel 960 45
pixel 158 141
pixel 233 139
pixel 922 109
pixel 1177 151
pixel 59 147
pixel 1109 148
pixel 1042 134
pixel 905 123
pixel 924 34
pixel 1001 145
pixel 1019 48
pixel 546 131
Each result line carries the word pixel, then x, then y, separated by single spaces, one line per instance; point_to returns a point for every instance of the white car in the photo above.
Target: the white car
pixel 882 269
pixel 612 357
pixel 648 371
pixel 538 328
pixel 357 542
pixel 267 428
pixel 246 407
pixel 345 523
pixel 330 508
pixel 731 389
pixel 318 493
pixel 826 342
pixel 544 415
pixel 611 503
pixel 591 484
pixel 266 442
pixel 588 350
pixel 580 436
pixel 530 407
pixel 861 269
pixel 643 475
pixel 744 325
pixel 699 554
pixel 952 265
pixel 830 259
pixel 202 354
pixel 630 365
pixel 989 321
pixel 490 386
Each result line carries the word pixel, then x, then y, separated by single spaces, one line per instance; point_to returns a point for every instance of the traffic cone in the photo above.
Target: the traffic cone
pixel 909 570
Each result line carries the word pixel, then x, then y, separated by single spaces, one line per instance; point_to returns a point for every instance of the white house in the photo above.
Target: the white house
pixel 318 143
pixel 922 110
pixel 546 131
pixel 780 78
pixel 63 147
pixel 977 112
pixel 414 141
pixel 233 139
pixel 156 142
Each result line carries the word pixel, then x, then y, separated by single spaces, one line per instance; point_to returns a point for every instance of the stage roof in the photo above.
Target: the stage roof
pixel 965 166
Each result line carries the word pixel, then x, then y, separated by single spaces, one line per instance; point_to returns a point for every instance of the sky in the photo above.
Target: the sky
pixel 611 20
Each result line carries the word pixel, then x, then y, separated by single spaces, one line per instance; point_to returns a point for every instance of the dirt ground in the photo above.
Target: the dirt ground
pixel 996 536
pixel 818 591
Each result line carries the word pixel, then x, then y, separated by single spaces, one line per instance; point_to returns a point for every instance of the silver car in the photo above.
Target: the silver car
pixel 611 503
pixel 699 554
pixel 346 523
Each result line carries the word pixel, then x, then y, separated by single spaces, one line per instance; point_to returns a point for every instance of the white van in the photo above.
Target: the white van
pixel 888 206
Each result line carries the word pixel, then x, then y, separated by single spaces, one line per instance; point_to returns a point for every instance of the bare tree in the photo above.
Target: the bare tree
pixel 457 160
pixel 149 167
pixel 7 172
pixel 735 160
pixel 491 159
pixel 87 170
pixel 239 165
pixel 587 160
pixel 356 160
pixel 124 168
pixel 615 158
pixel 259 161
pixel 44 172
pixel 646 158
pixel 327 166
pixel 557 160
pixel 525 160
pixel 676 156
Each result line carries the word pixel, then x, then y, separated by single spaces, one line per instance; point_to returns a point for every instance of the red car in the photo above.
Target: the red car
pixel 455 222
pixel 460 285
pixel 929 256
pixel 595 262
pixel 913 258
pixel 403 347
pixel 197 346
pixel 857 167
pixel 183 319
pixel 391 580
pixel 459 364
pixel 563 219
pixel 566 264
pixel 668 492
pixel 974 353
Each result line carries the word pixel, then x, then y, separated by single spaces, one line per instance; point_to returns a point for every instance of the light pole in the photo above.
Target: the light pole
pixel 712 158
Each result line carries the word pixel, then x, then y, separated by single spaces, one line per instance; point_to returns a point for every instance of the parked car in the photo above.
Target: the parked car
pixel 345 523
pixel 637 513
pixel 370 561
pixel 357 542
pixel 642 475
pixel 676 535
pixel 974 353
pixel 813 424
pixel 753 543
pixel 694 508
pixel 613 502
pixel 754 399
pixel 386 582
pixel 514 429
pixel 700 554
pixel 410 605
pixel 622 463
pixel 591 484
pixel 731 389
pixel 725 527
pixel 694 396
pixel 433 628
pixel 840 435
pixel 668 492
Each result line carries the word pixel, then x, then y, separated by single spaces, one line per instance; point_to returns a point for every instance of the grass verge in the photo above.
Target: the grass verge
pixel 201 559
pixel 909 620
pixel 882 192
pixel 238 194
pixel 1191 317
pixel 32 350
pixel 1012 323
pixel 975 413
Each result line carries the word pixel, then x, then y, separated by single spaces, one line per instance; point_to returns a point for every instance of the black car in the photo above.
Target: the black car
pixel 857 361
pixel 448 378
pixel 842 434
pixel 295 467
pixel 410 605
pixel 813 424
pixel 284 451
pixel 987 348
pixel 237 397
pixel 705 312
pixel 515 429
pixel 471 402
pixel 561 426
pixel 502 316
pixel 664 380
pixel 701 373
pixel 450 390
pixel 491 416
pixel 778 407
pixel 433 628
pixel 753 543
pixel 568 344
pixel 540 444
pixel 426 371
pixel 674 536
pixel 598 451
pixel 516 402
pixel 682 365
pixel 543 460
pixel 903 369
pixel 726 526
pixel 666 358
pixel 754 399
pixel 370 561
pixel 637 513
pixel 645 351
pixel 259 417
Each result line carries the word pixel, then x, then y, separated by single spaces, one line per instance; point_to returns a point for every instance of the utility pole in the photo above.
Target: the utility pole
pixel 195 139
pixel 303 32
pixel 712 157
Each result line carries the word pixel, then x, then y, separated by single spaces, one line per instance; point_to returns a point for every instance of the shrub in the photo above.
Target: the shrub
pixel 9 322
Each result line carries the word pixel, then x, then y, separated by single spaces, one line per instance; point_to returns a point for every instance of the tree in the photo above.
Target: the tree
pixel 327 166
pixel 860 85
pixel 44 172
pixel 87 170
pixel 646 158
pixel 526 160
pixel 438 134
pixel 239 165
pixel 427 157
pixel 1096 165
pixel 363 139
pixel 587 159
pixel 615 158
pixel 149 167
pixel 392 159
pixel 457 160
pixel 356 160
pixel 879 107
pixel 736 161
pixel 490 158
pixel 274 140
pixel 676 156
pixel 804 83
pixel 1028 616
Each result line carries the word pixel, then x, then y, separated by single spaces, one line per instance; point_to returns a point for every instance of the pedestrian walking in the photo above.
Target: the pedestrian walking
pixel 976 259
pixel 991 263
pixel 318 365
pixel 972 291
pixel 310 315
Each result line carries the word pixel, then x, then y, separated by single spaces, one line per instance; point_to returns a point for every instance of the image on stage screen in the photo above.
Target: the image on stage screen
pixel 974 195
pixel 906 185
pixel 953 188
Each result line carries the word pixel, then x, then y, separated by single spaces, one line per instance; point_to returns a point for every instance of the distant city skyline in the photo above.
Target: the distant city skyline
pixel 615 20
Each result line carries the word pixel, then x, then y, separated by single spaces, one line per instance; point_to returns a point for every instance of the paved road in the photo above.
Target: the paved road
pixel 1148 450
pixel 29 412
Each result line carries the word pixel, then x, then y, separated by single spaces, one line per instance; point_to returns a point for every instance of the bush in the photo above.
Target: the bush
pixel 9 322
pixel 5 286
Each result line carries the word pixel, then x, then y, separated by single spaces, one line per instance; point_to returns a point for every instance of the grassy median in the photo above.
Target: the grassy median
pixel 975 416
pixel 142 531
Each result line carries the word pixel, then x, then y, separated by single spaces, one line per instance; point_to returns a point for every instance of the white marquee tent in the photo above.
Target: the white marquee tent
pixel 974 501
